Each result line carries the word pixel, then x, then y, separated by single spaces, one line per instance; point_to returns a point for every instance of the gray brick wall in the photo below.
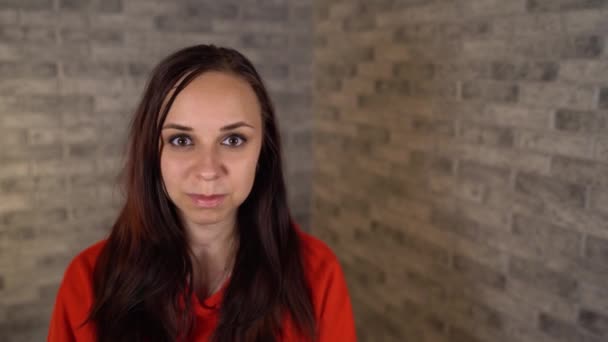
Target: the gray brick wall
pixel 461 166
pixel 71 72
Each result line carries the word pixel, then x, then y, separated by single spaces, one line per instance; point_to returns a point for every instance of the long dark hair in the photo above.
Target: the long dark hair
pixel 143 277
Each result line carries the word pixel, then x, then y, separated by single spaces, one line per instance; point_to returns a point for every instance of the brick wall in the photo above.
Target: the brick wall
pixel 71 72
pixel 461 166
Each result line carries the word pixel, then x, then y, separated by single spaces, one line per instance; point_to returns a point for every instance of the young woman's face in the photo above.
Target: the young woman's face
pixel 212 138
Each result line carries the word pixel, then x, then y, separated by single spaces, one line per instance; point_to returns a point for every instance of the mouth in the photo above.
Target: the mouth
pixel 207 201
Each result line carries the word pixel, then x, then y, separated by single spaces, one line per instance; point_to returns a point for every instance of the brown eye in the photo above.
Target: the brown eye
pixel 180 140
pixel 235 140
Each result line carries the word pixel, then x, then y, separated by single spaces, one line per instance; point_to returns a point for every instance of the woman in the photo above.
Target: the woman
pixel 204 248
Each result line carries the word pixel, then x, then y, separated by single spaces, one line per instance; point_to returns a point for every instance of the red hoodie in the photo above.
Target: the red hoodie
pixel 330 297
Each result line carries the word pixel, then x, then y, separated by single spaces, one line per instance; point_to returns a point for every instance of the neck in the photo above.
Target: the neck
pixel 214 247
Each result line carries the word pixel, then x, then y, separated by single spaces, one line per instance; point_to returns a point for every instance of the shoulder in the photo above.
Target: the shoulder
pixel 76 288
pixel 318 256
pixel 329 291
pixel 321 266
pixel 84 262
pixel 75 297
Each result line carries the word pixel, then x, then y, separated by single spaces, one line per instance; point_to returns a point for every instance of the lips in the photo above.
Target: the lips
pixel 207 201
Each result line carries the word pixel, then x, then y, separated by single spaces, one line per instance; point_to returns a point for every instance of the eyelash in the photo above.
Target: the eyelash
pixel 173 138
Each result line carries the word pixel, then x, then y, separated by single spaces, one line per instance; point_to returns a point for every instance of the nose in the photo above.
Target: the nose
pixel 208 164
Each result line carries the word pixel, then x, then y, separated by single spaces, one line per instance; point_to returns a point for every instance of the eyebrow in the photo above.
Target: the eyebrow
pixel 225 128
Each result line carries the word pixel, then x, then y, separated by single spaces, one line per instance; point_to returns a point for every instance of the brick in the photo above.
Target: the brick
pixel 432 126
pixel 474 312
pixel 558 95
pixel 459 335
pixel 469 69
pixel 504 158
pixel 604 98
pixel 15 34
pixel 581 121
pixel 99 36
pixel 74 4
pixel 486 135
pixel 561 330
pixel 584 71
pixel 445 90
pixel 601 149
pixel 33 184
pixel 420 160
pixel 539 276
pixel 579 170
pixel 270 13
pixel 40 136
pixel 545 240
pixel 359 24
pixel 413 71
pixel 44 216
pixel 28 70
pixel 478 273
pixel 96 70
pixel 177 24
pixel 529 26
pixel 416 32
pixel 14 202
pixel 27 4
pixel 489 91
pixel 82 150
pixel 26 152
pixel 8 16
pixel 596 250
pixel 301 14
pixel 13 137
pixel 488 175
pixel 480 28
pixel 496 7
pixel 491 48
pixel 52 19
pixel 545 189
pixel 509 115
pixel 531 71
pixel 566 145
pixel 53 103
pixel 590 21
pixel 269 40
pixel 460 225
pixel 11 34
pixel 594 322
pixel 111 6
pixel 598 199
pixel 27 120
pixel 413 244
pixel 11 169
pixel 393 87
pixel 585 46
pixel 274 71
pixel 63 167
pixel 564 5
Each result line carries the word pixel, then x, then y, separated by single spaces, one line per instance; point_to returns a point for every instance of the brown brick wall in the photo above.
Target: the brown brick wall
pixel 460 166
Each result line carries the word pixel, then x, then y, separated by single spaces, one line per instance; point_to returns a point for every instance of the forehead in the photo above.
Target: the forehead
pixel 214 99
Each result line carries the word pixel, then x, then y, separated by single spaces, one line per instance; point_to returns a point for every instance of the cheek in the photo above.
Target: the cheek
pixel 245 175
pixel 170 170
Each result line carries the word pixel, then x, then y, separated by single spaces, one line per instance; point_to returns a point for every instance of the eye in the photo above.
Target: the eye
pixel 180 140
pixel 235 140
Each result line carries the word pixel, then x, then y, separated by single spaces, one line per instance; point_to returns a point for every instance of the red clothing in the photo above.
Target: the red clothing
pixel 331 301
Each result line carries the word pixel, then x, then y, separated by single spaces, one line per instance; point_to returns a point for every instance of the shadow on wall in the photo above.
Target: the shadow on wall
pixel 461 166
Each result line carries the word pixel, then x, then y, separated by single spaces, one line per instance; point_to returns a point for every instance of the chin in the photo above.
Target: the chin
pixel 205 216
